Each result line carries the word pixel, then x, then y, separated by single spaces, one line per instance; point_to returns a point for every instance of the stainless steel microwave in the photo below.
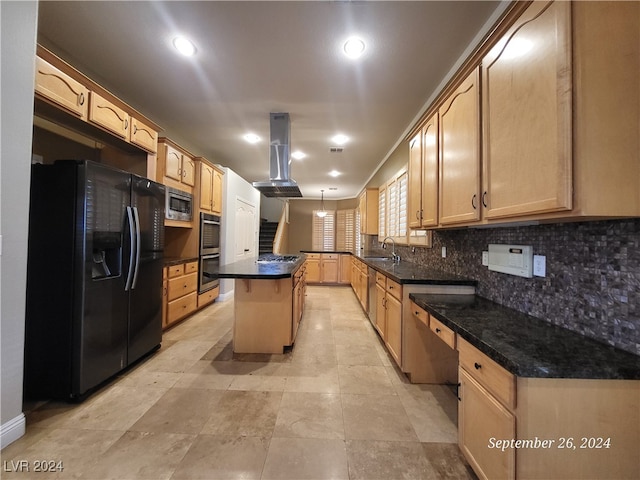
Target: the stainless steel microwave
pixel 179 205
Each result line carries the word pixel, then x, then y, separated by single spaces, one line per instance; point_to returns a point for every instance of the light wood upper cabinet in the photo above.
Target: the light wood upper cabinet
pixel 176 167
pixel 216 199
pixel 460 153
pixel 58 87
pixel 210 189
pixel 423 176
pixel 143 135
pixel 526 93
pixel 109 116
pixel 368 206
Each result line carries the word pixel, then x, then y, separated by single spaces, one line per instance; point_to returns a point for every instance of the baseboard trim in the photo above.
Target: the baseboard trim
pixel 12 430
pixel 225 296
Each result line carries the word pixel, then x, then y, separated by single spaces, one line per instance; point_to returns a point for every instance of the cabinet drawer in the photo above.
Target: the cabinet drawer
pixel 181 307
pixel 313 256
pixel 144 136
pixel 381 279
pixel 61 89
pixel 208 296
pixel 190 267
pixel 394 288
pixel 181 286
pixel 330 256
pixel 420 314
pixel 447 335
pixel 488 373
pixel 175 270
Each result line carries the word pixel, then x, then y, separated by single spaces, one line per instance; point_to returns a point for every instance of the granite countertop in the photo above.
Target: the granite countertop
pixel 252 270
pixel 527 346
pixel 170 261
pixel 343 252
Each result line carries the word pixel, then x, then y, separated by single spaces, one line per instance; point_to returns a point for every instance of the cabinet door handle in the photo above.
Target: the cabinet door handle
pixel 81 98
pixel 438 330
pixel 135 129
pixel 477 365
pixel 484 199
pixel 473 201
pixel 126 123
pixel 417 214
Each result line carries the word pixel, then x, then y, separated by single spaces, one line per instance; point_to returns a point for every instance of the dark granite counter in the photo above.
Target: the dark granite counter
pixel 527 346
pixel 250 269
pixel 169 261
pixel 326 251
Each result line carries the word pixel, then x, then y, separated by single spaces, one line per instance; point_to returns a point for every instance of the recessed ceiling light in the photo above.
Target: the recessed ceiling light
pixel 252 138
pixel 298 155
pixel 334 173
pixel 340 139
pixel 354 47
pixel 184 46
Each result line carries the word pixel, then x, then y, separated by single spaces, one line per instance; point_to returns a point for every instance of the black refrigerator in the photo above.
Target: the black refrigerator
pixel 94 276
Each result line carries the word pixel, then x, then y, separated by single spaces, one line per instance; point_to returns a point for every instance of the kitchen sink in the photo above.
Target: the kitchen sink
pixel 379 259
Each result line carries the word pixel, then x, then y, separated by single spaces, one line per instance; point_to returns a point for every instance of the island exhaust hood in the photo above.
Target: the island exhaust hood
pixel 279 183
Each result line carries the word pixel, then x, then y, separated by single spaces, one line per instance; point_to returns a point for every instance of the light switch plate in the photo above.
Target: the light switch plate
pixel 540 265
pixel 444 252
pixel 485 258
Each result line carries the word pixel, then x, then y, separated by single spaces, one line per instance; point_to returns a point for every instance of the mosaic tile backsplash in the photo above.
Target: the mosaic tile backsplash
pixel 592 283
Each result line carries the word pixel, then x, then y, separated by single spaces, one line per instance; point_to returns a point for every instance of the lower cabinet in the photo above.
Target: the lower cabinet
pixel 328 268
pixel 389 315
pixel 181 293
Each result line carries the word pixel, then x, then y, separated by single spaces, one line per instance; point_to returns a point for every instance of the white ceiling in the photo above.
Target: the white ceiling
pixel 259 57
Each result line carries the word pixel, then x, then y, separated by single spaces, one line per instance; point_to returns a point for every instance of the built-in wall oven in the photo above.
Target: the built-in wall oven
pixel 209 252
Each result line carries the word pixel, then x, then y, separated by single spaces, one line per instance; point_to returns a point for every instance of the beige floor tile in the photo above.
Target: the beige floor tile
pixel 242 413
pixel 179 357
pixel 432 410
pixel 180 410
pixel 306 459
pixel 316 353
pixel 358 355
pixel 447 461
pixel 365 379
pixel 213 457
pixel 145 378
pixel 311 378
pixel 71 451
pixel 376 417
pixel 51 415
pixel 204 381
pixel 310 415
pixel 259 383
pixel 116 409
pixel 141 456
pixel 377 460
pixel 235 368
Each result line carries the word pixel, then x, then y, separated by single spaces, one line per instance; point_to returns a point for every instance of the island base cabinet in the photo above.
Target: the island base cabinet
pixel 263 315
pixel 482 418
pixel 594 426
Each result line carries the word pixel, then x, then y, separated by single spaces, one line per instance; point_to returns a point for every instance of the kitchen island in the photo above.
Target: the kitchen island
pixel 268 302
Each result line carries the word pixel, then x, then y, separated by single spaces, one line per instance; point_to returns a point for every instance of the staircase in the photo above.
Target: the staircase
pixel 267 234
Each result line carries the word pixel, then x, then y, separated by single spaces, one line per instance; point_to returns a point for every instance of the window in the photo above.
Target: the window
pixel 382 212
pixel 346 231
pixel 323 232
pixel 392 208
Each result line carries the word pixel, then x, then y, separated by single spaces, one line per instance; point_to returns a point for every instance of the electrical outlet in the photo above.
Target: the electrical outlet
pixel 540 265
pixel 485 259
pixel 444 252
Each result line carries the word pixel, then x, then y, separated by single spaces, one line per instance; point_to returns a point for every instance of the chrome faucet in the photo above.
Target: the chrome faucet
pixel 396 258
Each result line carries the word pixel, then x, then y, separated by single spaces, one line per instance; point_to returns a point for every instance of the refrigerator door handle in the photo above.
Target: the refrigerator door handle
pixel 127 285
pixel 135 271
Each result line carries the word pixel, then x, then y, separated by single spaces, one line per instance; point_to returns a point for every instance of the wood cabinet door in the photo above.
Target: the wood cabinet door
pixel 460 154
pixel 481 417
pixel 206 186
pixel 61 89
pixel 143 136
pixel 394 328
pixel 345 269
pixel 415 181
pixel 329 270
pixel 188 171
pixel 173 163
pixel 216 194
pixel 109 116
pixel 527 113
pixel 313 271
pixel 381 311
pixel 429 201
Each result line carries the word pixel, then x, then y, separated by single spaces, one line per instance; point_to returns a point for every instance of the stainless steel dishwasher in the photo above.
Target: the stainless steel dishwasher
pixel 371 310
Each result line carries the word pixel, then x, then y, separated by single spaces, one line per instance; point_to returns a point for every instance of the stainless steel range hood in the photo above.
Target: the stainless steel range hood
pixel 279 183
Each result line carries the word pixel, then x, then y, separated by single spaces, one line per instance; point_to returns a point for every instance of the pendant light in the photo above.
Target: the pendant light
pixel 322 212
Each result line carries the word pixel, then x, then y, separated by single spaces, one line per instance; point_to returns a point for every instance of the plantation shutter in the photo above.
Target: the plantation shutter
pixel 323 232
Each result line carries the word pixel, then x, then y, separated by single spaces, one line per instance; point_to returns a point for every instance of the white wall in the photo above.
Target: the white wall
pixel 234 187
pixel 18 40
pixel 271 208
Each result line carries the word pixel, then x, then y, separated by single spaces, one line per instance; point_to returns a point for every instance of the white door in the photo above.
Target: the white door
pixel 245 229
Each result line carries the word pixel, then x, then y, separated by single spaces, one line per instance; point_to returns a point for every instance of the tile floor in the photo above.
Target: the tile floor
pixel 334 407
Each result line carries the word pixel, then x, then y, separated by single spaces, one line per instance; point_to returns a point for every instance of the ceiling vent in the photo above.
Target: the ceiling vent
pixel 336 149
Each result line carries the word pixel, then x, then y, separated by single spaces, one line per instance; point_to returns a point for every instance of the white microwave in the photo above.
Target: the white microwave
pixel 179 205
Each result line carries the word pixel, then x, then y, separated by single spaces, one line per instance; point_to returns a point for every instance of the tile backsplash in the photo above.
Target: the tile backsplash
pixel 592 283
